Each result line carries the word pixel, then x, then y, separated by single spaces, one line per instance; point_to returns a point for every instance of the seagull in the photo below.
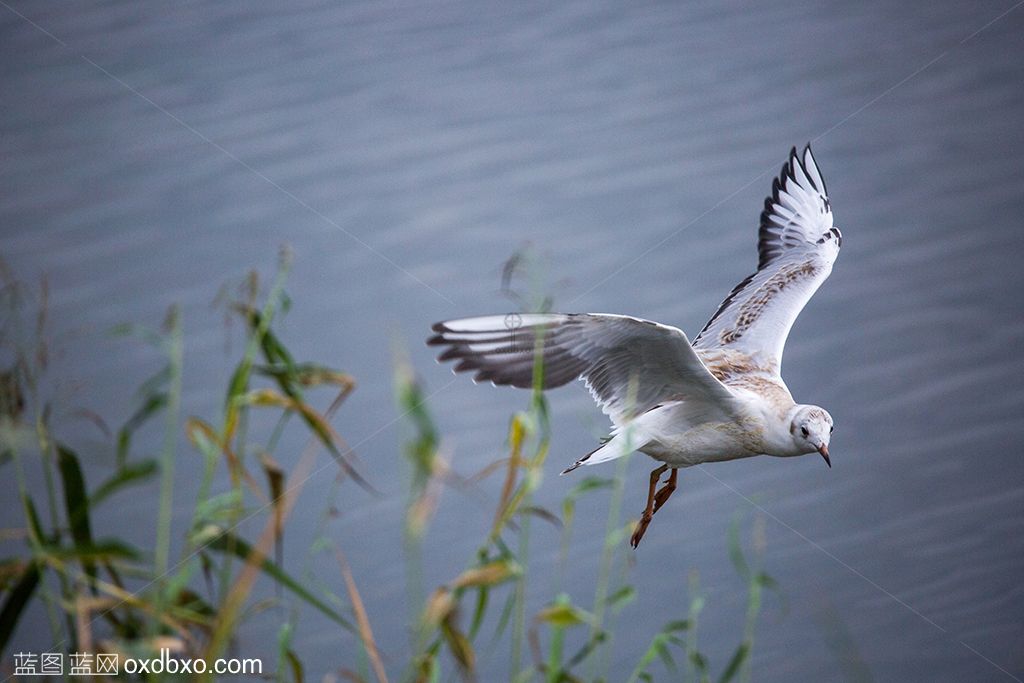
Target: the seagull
pixel 718 398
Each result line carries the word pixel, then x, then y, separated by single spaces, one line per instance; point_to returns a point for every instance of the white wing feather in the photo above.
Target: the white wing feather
pixel 630 365
pixel 797 246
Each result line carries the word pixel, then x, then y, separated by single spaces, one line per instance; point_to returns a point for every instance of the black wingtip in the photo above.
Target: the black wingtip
pixel 451 353
pixel 824 187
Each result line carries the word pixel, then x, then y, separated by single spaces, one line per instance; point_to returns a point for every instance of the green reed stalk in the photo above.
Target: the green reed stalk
pixel 167 457
pixel 608 552
pixel 756 583
pixel 696 668
pixel 239 384
pixel 519 609
pixel 36 544
pixel 48 453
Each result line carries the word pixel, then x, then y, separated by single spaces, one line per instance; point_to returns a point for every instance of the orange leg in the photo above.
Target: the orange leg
pixel 645 518
pixel 663 495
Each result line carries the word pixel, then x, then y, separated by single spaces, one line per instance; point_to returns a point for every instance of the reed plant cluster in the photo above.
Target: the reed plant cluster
pixel 198 584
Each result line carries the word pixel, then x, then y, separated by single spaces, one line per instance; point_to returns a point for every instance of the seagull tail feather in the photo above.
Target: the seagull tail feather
pixel 612 448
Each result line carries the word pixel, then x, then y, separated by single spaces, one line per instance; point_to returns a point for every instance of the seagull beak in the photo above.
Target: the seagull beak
pixel 823 449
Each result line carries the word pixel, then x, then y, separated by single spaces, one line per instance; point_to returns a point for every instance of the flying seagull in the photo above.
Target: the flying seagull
pixel 721 397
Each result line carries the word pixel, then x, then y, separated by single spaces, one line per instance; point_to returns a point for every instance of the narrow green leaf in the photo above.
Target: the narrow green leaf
pixel 76 502
pixel 735 663
pixel 590 484
pixel 767 581
pixel 75 499
pixel 564 615
pixel 229 543
pixel 285 655
pixel 155 383
pixel 505 616
pixel 239 382
pixel 15 603
pixel 296 665
pixel 274 351
pixel 736 549
pixel 587 649
pixel 657 644
pixel 674 626
pixel 152 404
pixel 35 528
pixel 483 592
pixel 621 597
pixel 666 654
pixel 427 669
pixel 700 662
pixel 542 513
pixel 131 473
pixel 193 602
pixel 223 506
pixel 124 440
pixel 102 550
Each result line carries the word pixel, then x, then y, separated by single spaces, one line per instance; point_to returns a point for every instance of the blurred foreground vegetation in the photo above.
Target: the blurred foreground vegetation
pixel 102 594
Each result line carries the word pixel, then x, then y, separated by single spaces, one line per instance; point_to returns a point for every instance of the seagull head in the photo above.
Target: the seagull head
pixel 811 429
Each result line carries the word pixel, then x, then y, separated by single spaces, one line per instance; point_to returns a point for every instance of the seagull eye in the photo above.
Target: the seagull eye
pixel 831 429
pixel 803 430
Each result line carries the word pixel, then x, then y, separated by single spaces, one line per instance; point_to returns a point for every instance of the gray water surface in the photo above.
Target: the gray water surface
pixel 151 152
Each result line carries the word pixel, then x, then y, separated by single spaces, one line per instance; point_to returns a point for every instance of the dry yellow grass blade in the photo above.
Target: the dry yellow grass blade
pixel 488 575
pixel 362 621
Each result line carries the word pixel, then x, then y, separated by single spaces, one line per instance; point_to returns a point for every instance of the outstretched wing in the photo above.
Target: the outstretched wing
pixel 629 365
pixel 796 247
